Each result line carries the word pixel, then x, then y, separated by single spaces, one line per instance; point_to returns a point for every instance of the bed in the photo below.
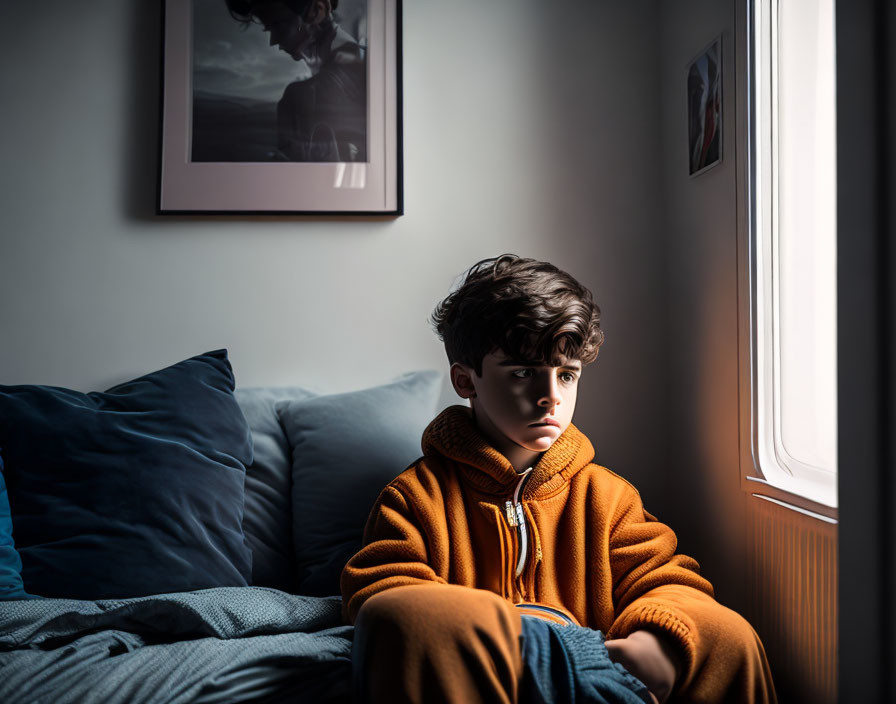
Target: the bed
pixel 177 539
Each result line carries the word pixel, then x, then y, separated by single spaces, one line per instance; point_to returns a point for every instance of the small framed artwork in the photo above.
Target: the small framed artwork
pixel 705 108
pixel 281 107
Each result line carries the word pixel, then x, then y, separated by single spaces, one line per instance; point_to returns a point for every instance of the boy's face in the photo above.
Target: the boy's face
pixel 522 408
pixel 294 34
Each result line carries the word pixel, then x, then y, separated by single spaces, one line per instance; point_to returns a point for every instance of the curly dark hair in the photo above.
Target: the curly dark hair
pixel 530 310
pixel 245 10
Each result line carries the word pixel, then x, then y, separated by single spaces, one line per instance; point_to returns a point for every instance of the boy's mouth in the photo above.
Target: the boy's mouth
pixel 546 421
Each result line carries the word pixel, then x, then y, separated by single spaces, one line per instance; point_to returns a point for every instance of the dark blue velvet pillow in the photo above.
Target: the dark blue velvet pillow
pixel 133 491
pixel 10 563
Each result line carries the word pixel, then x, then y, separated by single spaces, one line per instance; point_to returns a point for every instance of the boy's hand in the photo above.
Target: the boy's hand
pixel 650 658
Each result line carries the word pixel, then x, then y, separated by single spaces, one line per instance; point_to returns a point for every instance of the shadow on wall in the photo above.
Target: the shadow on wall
pixel 140 152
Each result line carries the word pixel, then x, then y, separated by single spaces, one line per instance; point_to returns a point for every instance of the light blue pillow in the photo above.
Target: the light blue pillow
pixel 267 516
pixel 345 449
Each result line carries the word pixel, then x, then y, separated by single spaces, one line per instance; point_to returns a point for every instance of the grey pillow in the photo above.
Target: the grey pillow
pixel 345 449
pixel 267 516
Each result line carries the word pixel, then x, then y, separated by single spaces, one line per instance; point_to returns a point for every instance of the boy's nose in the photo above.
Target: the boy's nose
pixel 551 394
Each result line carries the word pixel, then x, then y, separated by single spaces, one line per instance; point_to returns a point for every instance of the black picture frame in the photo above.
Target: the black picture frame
pixel 255 176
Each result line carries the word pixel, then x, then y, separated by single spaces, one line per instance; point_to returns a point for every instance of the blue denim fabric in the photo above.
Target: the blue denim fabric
pixel 570 665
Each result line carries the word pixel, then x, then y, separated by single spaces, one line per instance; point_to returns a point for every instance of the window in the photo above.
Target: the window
pixel 792 252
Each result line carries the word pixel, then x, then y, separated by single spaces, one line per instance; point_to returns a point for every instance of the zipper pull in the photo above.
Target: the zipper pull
pixel 520 516
pixel 511 516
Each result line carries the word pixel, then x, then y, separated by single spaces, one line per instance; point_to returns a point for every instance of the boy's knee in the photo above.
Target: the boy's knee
pixel 379 611
pixel 739 637
pixel 437 642
pixel 399 605
pixel 735 669
pixel 381 606
pixel 435 608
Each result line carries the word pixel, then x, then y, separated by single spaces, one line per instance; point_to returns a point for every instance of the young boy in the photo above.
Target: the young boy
pixel 493 566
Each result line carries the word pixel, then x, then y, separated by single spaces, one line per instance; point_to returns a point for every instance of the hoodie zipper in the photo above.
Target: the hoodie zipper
pixel 516 518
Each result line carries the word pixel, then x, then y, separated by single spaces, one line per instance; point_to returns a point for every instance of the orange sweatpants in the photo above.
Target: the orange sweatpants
pixel 436 643
pixel 429 644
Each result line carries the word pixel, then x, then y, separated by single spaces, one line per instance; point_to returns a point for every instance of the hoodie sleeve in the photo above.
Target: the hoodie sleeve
pixel 394 554
pixel 652 585
pixel 658 590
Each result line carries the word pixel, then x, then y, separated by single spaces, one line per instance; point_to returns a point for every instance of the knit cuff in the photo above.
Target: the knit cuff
pixel 663 619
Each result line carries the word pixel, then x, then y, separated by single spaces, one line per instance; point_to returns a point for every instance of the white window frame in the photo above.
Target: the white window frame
pixel 767 469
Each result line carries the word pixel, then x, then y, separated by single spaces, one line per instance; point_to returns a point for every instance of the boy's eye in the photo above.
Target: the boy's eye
pixel 568 377
pixel 522 373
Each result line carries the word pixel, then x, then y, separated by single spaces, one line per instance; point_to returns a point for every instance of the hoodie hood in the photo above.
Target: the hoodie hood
pixel 454 435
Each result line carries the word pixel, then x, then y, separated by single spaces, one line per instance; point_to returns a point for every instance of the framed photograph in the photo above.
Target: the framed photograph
pixel 281 107
pixel 705 108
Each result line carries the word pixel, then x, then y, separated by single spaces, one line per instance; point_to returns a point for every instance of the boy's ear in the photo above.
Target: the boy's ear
pixel 462 380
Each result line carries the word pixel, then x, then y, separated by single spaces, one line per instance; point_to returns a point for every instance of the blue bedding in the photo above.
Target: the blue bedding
pixel 229 644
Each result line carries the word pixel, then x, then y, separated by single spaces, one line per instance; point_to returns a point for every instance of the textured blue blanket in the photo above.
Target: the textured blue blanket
pixel 571 664
pixel 215 645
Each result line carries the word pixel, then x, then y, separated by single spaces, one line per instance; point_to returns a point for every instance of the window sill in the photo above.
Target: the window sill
pixel 761 488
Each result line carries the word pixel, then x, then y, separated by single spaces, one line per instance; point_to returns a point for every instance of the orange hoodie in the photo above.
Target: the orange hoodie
pixel 572 535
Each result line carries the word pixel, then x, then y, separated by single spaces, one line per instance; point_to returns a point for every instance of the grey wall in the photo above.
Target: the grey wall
pixel 700 217
pixel 529 127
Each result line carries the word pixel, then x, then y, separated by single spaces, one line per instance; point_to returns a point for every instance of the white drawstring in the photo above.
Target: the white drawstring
pixel 517 517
